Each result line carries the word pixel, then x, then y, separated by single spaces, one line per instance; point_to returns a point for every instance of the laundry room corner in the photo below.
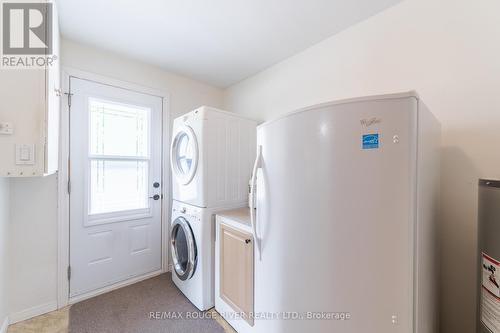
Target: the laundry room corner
pixel 34 237
pixel 249 166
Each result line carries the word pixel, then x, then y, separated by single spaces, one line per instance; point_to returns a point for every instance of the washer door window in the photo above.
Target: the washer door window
pixel 184 155
pixel 183 248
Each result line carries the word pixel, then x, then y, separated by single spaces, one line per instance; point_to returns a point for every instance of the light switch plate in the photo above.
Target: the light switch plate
pixel 6 128
pixel 25 154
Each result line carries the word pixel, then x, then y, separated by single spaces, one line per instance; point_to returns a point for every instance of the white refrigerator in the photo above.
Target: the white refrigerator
pixel 345 220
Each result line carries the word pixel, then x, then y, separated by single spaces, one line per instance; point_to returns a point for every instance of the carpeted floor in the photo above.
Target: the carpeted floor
pixel 129 310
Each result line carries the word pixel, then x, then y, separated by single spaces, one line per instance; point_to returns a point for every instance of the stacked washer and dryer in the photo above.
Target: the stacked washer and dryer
pixel 212 153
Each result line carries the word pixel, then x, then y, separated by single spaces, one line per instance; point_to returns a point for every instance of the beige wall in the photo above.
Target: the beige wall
pixel 33 234
pixel 185 94
pixel 4 223
pixel 447 50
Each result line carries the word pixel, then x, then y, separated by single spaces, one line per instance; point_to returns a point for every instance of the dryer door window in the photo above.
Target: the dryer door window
pixel 183 248
pixel 184 155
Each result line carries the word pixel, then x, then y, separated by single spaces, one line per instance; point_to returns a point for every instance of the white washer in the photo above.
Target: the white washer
pixel 212 153
pixel 192 248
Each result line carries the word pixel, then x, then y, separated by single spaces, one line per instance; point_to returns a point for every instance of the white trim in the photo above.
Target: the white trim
pixel 118 158
pixel 113 217
pixel 63 200
pixel 107 289
pixel 5 325
pixel 63 196
pixel 106 80
pixel 32 312
pixel 166 190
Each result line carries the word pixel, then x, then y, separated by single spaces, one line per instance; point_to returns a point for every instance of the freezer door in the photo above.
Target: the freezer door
pixel 335 216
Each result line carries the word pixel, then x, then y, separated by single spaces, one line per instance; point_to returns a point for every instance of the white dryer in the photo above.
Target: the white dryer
pixel 212 153
pixel 192 249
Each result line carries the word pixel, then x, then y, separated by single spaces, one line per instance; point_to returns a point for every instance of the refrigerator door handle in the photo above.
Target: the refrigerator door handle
pixel 253 199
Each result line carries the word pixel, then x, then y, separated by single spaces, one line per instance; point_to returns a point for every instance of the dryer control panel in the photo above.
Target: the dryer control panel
pixel 190 212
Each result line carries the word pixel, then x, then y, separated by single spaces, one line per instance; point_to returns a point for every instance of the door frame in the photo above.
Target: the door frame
pixel 63 223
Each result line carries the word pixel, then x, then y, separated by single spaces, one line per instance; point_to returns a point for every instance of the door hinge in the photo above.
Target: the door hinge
pixel 69 98
pixel 69 272
pixel 69 186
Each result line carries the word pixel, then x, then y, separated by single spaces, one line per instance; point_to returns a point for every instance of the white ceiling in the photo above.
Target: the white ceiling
pixel 217 41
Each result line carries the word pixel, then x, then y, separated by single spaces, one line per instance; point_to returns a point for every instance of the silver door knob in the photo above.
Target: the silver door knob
pixel 155 197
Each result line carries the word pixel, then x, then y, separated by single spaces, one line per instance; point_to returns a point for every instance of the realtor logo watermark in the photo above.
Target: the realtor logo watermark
pixel 27 35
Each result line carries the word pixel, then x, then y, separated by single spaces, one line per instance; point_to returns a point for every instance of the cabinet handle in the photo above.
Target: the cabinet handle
pixel 247 241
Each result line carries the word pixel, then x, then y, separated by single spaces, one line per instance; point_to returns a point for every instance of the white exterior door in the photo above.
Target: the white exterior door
pixel 115 197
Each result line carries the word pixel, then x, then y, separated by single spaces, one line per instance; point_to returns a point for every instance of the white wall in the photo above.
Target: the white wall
pixel 33 246
pixel 4 237
pixel 449 51
pixel 185 94
pixel 33 234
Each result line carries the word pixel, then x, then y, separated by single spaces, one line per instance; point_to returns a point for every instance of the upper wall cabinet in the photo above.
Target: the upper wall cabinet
pixel 30 90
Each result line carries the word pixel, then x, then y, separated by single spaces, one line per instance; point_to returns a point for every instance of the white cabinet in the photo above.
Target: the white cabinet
pixel 234 269
pixel 29 117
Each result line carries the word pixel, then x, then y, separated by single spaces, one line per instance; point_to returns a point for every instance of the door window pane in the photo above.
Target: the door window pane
pixel 185 154
pixel 118 185
pixel 118 129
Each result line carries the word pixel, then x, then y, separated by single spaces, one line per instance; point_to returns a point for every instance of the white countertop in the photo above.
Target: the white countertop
pixel 240 215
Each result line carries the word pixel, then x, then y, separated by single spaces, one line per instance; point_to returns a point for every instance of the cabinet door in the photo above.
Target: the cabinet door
pixel 236 270
pixel 22 104
pixel 29 101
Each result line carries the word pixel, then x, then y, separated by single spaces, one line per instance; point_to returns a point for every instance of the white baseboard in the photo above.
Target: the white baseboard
pixel 32 312
pixel 79 298
pixel 5 325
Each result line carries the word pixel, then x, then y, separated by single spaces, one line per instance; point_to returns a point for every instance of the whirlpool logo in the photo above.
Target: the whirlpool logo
pixel 27 34
pixel 370 121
